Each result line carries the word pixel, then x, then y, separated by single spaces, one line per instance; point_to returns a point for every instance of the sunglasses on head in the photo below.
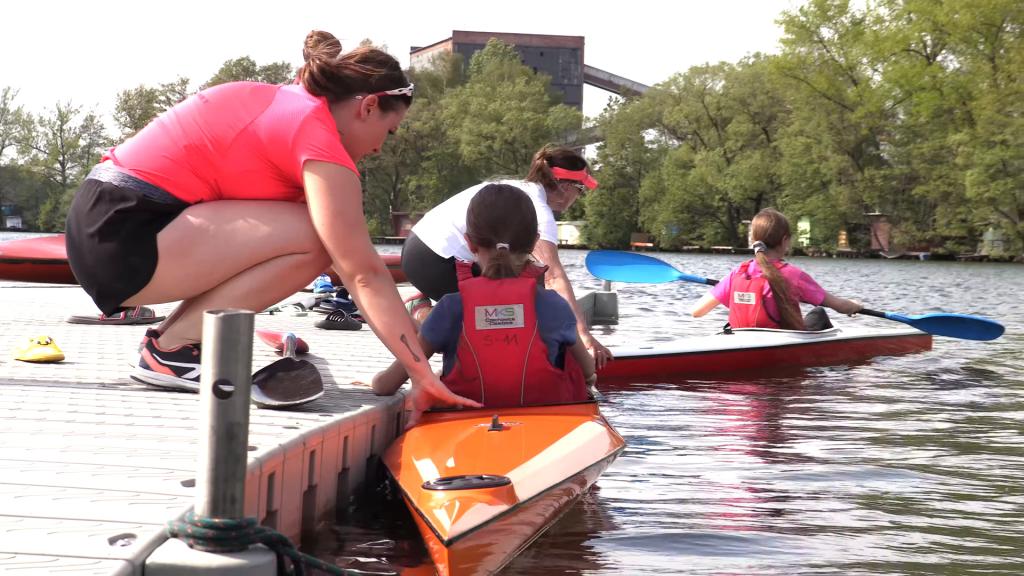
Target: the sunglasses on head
pixel 403 91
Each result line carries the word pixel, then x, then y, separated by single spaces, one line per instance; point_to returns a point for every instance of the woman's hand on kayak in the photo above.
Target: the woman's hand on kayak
pixel 601 354
pixel 429 392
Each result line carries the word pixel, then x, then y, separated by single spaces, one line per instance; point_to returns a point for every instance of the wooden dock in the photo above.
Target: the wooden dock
pixel 95 464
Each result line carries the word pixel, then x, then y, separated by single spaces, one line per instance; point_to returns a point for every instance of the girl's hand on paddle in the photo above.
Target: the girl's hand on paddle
pixel 430 392
pixel 853 307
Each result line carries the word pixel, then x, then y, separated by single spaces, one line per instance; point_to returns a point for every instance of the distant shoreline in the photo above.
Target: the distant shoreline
pixel 853 254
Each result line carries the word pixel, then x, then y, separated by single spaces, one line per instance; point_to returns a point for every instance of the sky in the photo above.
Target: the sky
pixel 87 52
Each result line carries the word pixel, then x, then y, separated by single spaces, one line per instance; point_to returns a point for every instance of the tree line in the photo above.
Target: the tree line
pixel 911 108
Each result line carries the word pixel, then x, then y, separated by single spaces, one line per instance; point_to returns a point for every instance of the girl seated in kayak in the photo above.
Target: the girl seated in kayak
pixel 766 292
pixel 506 340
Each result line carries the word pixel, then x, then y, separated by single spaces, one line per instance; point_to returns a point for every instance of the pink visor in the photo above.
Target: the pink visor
pixel 576 175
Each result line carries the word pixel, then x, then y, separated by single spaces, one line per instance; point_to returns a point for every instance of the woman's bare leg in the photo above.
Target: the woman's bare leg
pixel 230 254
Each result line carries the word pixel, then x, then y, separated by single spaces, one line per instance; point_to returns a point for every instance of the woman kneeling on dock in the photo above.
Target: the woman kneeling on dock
pixel 237 198
pixel 506 340
pixel 766 292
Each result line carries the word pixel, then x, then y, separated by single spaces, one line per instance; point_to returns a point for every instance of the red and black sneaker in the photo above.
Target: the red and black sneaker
pixel 151 334
pixel 177 368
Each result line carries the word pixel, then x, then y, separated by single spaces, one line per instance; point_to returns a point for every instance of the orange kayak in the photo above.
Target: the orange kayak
pixel 483 484
pixel 44 259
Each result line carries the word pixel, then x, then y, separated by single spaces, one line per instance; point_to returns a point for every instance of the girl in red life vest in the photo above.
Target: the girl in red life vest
pixel 766 292
pixel 506 340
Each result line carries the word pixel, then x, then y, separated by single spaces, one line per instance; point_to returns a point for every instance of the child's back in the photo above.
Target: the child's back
pixel 505 342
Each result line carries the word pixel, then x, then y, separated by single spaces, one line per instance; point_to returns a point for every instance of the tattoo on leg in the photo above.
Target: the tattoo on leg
pixel 408 347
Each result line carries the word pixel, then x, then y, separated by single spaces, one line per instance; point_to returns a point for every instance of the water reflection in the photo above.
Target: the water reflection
pixel 378 537
pixel 901 465
pixel 571 545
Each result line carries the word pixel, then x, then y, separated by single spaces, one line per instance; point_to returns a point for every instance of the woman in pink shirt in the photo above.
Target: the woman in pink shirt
pixel 766 292
pixel 237 198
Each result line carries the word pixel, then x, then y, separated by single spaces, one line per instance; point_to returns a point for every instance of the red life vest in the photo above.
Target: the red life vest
pixel 747 299
pixel 501 360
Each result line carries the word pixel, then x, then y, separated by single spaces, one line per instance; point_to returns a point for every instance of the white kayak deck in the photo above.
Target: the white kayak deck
pixel 754 338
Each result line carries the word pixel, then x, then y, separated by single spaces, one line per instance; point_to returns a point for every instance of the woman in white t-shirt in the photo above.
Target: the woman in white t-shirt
pixel 558 177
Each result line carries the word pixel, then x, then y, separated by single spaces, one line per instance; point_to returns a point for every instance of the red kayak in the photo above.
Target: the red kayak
pixel 44 259
pixel 762 349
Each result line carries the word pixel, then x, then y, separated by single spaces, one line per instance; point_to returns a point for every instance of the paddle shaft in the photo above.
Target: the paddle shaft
pixel 870 312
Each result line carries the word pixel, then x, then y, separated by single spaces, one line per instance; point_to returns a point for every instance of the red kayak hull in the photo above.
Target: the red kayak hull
pixel 746 351
pixel 41 259
pixel 44 260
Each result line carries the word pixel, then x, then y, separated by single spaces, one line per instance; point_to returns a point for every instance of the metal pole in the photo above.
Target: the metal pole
pixel 224 387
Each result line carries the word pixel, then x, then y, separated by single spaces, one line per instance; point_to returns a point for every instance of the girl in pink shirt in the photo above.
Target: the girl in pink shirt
pixel 237 198
pixel 766 292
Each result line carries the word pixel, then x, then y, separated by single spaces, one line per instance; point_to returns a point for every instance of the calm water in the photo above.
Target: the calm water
pixel 908 465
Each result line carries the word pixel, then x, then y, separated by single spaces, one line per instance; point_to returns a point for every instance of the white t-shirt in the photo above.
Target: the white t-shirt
pixel 442 228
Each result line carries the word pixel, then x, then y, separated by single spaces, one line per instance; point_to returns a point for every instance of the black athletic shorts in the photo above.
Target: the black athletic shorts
pixel 431 273
pixel 111 234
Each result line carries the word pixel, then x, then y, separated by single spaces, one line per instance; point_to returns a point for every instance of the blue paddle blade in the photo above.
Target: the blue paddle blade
pixel 632 267
pixel 953 325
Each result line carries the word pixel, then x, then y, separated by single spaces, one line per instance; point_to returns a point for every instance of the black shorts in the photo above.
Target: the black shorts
pixel 431 273
pixel 111 234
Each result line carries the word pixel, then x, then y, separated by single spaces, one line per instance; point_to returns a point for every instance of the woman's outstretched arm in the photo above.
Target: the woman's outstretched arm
pixel 334 195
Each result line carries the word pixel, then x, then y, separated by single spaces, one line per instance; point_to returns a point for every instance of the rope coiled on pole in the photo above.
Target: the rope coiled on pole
pixel 220 535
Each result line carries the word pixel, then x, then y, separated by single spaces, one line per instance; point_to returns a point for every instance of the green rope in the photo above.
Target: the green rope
pixel 221 535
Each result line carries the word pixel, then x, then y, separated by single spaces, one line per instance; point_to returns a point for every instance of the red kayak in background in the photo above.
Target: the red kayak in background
pixel 40 259
pixel 761 350
pixel 44 259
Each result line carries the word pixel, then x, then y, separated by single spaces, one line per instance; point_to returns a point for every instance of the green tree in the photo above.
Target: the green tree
pixel 441 169
pixel 988 40
pixel 911 38
pixel 505 113
pixel 62 147
pixel 14 124
pixel 833 165
pixel 137 106
pixel 246 69
pixel 420 165
pixel 13 121
pixel 624 159
pixel 24 189
pixel 699 152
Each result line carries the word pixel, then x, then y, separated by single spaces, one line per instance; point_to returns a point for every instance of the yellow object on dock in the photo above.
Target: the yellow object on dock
pixel 39 349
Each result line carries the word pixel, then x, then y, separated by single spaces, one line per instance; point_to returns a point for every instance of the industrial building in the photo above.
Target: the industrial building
pixel 560 57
